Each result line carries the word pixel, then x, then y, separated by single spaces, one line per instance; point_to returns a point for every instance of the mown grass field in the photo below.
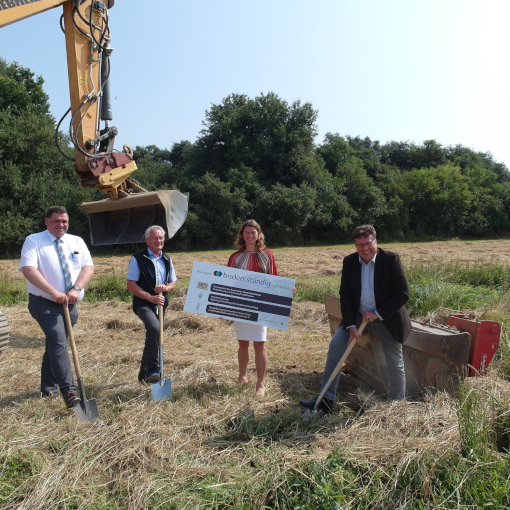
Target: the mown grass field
pixel 217 446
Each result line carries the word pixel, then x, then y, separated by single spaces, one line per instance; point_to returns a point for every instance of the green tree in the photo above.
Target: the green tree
pixel 266 134
pixel 215 214
pixel 364 197
pixel 439 201
pixel 19 90
pixel 286 211
pixel 398 154
pixel 430 154
pixel 394 221
pixel 468 158
pixel 33 173
pixel 156 170
pixel 368 152
pixel 34 177
pixel 489 210
pixel 333 217
pixel 335 151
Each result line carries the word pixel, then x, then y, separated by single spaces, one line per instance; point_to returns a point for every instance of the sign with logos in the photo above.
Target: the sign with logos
pixel 239 295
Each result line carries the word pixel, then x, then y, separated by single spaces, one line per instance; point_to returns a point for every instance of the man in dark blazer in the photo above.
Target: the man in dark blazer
pixel 374 288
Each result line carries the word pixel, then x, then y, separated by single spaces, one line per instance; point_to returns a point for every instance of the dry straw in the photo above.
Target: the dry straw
pixel 212 429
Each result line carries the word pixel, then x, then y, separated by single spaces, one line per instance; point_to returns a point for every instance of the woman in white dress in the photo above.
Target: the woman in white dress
pixel 252 256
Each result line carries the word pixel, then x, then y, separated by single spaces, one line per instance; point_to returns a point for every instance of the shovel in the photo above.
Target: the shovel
pixel 309 413
pixel 86 410
pixel 163 388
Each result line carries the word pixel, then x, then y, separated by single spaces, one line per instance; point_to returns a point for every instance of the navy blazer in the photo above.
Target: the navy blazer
pixel 391 290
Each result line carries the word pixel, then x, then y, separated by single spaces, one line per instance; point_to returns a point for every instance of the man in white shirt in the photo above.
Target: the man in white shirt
pixel 150 277
pixel 57 267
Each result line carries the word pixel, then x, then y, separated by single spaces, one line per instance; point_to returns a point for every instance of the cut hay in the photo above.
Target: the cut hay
pixel 141 452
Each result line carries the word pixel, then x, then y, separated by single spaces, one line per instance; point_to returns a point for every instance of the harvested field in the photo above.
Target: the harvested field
pixel 313 261
pixel 212 429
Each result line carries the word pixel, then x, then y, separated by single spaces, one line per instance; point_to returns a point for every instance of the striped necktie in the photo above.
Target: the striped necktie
pixel 64 264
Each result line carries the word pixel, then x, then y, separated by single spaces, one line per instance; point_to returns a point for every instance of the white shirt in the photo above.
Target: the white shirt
pixel 40 251
pixel 367 301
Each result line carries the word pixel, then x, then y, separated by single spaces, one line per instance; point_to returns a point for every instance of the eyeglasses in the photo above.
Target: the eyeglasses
pixel 157 238
pixel 367 244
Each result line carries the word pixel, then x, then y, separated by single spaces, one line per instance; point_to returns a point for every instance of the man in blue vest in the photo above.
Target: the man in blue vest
pixel 150 277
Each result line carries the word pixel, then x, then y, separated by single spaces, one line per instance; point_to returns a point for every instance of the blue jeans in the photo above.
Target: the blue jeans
pixel 392 352
pixel 56 370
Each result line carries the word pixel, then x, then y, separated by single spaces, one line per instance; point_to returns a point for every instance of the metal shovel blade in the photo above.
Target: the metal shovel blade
pixel 162 389
pixel 86 411
pixel 309 413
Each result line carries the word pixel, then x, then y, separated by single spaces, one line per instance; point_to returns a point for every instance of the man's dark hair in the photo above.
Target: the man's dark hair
pixel 56 209
pixel 364 231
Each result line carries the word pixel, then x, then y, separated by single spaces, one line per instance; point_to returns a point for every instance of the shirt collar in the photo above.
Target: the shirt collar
pixel 152 254
pixel 361 261
pixel 53 238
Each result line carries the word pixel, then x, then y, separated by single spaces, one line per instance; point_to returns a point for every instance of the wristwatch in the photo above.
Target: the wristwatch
pixel 77 287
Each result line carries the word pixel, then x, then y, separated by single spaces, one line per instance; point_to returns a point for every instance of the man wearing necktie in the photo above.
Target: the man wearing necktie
pixel 57 267
pixel 151 276
pixel 373 288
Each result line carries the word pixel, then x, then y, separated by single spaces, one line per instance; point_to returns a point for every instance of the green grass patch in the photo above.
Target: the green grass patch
pixel 313 289
pixel 12 291
pixel 425 482
pixel 435 294
pixel 15 470
pixel 107 288
pixel 489 275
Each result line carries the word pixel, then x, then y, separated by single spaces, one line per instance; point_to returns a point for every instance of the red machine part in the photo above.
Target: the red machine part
pixel 484 341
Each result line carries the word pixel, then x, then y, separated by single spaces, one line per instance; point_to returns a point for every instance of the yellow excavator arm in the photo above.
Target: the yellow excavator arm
pixel 16 10
pixel 129 209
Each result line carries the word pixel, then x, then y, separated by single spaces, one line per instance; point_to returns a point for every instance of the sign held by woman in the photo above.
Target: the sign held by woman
pixel 240 295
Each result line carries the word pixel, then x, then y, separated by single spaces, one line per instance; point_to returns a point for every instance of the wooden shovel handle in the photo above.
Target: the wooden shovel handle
pixel 338 367
pixel 160 316
pixel 69 328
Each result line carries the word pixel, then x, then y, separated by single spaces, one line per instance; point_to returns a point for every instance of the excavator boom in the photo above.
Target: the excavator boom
pixel 123 216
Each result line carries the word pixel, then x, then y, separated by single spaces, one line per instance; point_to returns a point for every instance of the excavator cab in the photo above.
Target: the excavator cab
pixel 125 220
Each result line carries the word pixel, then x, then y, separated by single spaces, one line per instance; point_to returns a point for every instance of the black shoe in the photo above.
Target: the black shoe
pixel 325 406
pixel 70 399
pixel 153 377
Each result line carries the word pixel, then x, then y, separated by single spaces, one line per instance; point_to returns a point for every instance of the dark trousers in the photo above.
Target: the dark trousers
pixel 56 370
pixel 150 356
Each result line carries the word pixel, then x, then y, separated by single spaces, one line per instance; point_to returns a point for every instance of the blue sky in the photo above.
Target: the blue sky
pixel 390 70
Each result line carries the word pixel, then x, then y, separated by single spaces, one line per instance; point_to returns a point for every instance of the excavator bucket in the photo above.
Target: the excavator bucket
pixel 433 357
pixel 125 220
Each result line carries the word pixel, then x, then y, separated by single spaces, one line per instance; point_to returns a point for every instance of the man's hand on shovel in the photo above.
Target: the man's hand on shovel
pixel 369 316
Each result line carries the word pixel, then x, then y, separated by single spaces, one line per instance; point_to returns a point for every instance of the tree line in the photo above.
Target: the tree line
pixel 257 157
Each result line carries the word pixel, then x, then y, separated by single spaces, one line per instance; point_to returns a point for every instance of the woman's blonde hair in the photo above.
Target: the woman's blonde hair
pixel 259 243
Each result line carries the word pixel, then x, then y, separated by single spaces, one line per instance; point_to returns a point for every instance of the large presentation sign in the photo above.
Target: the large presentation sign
pixel 238 295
